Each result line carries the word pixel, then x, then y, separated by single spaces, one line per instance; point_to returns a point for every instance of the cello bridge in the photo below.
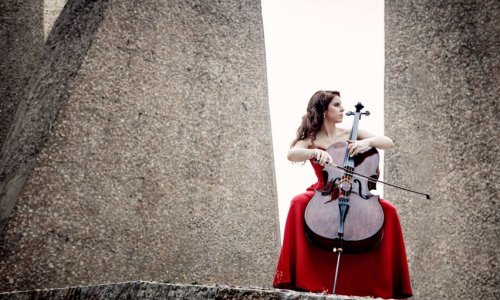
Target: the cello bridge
pixel 345 183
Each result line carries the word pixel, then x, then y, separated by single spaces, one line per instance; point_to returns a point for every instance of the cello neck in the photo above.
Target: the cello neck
pixel 357 115
pixel 348 161
pixel 354 131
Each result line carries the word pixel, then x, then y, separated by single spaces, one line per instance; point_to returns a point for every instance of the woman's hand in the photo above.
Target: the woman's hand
pixel 356 147
pixel 322 157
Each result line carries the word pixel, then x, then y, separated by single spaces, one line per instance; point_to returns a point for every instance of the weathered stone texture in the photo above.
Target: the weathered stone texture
pixel 52 9
pixel 148 130
pixel 21 39
pixel 46 92
pixel 153 290
pixel 441 109
pixel 24 26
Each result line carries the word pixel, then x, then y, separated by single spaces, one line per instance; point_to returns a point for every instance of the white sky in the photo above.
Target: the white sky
pixel 320 45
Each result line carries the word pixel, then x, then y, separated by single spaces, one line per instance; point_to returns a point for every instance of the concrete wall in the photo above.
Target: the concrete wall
pixel 24 26
pixel 51 10
pixel 143 150
pixel 441 109
pixel 21 39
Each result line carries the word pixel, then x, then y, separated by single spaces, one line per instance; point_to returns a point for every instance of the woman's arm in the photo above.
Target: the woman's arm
pixel 367 140
pixel 378 141
pixel 301 152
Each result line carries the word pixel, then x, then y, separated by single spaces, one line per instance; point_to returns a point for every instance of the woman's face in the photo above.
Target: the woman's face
pixel 335 111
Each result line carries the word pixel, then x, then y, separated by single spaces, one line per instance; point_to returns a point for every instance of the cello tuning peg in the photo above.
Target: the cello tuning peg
pixel 359 107
pixel 349 113
pixel 366 113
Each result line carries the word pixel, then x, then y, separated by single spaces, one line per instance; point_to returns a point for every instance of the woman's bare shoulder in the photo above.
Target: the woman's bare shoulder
pixel 344 131
pixel 307 143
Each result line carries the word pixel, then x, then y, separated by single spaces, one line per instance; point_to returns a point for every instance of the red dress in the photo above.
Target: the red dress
pixel 382 272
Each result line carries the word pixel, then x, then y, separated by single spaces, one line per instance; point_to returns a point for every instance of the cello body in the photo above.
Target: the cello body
pixel 361 228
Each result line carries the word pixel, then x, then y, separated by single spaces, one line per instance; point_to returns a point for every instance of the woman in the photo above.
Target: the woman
pixel 381 272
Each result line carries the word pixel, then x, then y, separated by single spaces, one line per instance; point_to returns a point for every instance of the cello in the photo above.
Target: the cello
pixel 344 215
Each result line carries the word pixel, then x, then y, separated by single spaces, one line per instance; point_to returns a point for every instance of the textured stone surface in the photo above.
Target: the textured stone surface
pixel 143 150
pixel 52 9
pixel 21 38
pixel 154 290
pixel 46 93
pixel 441 109
pixel 24 26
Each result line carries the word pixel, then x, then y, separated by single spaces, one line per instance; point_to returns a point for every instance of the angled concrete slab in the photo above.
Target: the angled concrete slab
pixel 441 109
pixel 143 150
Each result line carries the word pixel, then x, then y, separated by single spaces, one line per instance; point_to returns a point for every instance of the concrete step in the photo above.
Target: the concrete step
pixel 157 290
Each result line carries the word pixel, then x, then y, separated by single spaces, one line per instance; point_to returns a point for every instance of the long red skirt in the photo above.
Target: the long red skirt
pixel 382 272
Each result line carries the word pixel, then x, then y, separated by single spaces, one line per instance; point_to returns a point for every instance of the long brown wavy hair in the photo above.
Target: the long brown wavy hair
pixel 313 119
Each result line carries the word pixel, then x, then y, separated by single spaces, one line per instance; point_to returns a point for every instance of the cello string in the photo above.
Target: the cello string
pixel 374 180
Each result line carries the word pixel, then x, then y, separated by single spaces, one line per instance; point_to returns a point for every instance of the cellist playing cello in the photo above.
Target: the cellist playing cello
pixel 380 272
